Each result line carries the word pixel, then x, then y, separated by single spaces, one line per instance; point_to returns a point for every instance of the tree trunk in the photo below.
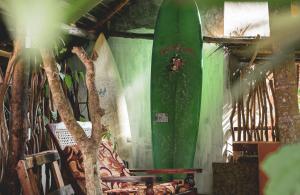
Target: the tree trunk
pixel 286 100
pixel 88 146
pixel 96 112
pixel 91 168
pixel 60 101
pixel 285 75
pixel 3 124
pixel 18 123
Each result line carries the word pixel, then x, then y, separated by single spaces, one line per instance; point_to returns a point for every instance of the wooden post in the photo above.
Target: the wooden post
pixel 57 175
pixel 24 178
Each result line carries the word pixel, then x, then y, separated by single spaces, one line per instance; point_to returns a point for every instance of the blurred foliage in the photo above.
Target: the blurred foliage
pixel 283 170
pixel 38 23
pixel 77 8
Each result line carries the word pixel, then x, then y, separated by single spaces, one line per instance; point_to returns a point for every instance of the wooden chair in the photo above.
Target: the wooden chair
pixel 65 145
pixel 27 176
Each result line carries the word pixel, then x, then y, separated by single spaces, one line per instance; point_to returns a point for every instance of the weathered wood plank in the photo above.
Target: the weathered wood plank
pixel 33 181
pixel 57 175
pixel 24 178
pixel 148 36
pixel 41 158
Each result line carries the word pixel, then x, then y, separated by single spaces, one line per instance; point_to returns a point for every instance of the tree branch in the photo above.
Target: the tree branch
pixel 60 101
pixel 96 112
pixel 3 90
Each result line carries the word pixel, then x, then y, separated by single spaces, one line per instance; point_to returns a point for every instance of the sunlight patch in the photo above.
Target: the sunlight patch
pixel 243 19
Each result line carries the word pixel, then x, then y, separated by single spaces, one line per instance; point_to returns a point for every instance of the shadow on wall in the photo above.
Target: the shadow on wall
pixel 133 58
pixel 210 136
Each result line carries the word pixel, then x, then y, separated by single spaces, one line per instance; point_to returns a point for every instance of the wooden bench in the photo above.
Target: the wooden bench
pixel 27 176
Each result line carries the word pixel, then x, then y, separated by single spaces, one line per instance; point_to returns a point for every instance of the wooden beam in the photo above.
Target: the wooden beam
pixel 148 36
pixel 90 17
pixel 218 40
pixel 57 174
pixel 244 54
pixel 115 10
pixel 41 158
pixel 78 32
pixel 234 40
pixel 264 59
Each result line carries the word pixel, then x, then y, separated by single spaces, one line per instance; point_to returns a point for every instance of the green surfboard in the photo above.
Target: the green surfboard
pixel 176 83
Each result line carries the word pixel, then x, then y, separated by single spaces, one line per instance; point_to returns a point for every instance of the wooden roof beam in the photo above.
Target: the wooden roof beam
pixel 90 17
pixel 234 40
pixel 115 10
pixel 78 32
pixel 149 36
pixel 218 40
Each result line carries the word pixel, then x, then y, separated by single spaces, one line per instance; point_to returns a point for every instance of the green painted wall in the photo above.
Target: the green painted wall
pixel 133 57
pixel 134 60
pixel 210 135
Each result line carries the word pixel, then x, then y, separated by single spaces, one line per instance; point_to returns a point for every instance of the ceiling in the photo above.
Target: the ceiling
pixel 115 15
pixel 121 15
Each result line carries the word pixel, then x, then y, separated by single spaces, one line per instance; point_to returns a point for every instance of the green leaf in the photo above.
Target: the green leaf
pixel 68 81
pixel 62 41
pixel 75 75
pixel 47 90
pixel 82 119
pixel 107 135
pixel 63 50
pixel 54 115
pixel 82 77
pixel 115 144
pixel 46 120
pixel 56 49
pixel 283 170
